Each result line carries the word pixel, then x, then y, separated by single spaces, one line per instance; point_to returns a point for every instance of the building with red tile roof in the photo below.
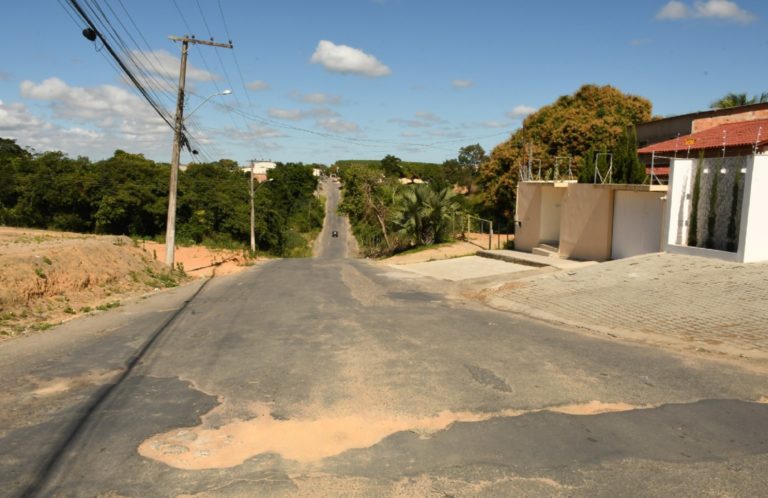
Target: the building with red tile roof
pixel 741 138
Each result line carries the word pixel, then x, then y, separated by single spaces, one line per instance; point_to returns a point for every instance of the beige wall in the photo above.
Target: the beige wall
pixel 529 216
pixel 586 222
pixel 706 123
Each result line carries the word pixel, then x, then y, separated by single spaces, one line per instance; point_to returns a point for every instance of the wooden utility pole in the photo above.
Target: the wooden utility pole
pixel 178 133
pixel 253 214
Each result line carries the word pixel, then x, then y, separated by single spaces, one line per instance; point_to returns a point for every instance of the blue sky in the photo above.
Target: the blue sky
pixel 321 81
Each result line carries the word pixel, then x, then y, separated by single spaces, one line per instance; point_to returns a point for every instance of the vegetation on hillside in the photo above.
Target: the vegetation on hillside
pixel 388 216
pixel 127 194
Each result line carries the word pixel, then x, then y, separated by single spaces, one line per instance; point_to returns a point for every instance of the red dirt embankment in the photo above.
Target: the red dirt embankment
pixel 47 277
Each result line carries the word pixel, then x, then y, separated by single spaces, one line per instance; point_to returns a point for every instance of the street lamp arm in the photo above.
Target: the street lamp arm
pixel 225 92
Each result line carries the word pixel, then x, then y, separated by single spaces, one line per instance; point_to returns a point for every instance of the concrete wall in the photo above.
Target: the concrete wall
pixel 637 223
pixel 702 124
pixel 586 222
pixel 528 211
pixel 753 242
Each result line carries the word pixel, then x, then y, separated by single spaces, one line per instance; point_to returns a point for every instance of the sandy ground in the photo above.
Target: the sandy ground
pixel 199 261
pixel 48 277
pixel 474 242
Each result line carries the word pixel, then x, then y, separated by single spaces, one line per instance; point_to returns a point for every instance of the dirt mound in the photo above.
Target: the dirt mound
pixel 47 277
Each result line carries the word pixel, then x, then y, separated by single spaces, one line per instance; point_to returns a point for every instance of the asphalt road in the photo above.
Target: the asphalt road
pixel 336 377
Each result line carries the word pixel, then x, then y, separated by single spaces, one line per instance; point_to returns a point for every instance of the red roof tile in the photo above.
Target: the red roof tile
pixel 735 134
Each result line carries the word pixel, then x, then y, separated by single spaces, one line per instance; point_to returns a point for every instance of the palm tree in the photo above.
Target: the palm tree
pixel 738 99
pixel 423 214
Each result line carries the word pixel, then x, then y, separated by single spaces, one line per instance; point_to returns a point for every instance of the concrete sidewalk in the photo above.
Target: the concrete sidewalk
pixel 691 302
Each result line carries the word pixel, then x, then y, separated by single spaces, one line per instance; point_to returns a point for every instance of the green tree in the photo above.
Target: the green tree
pixel 738 99
pixel 423 214
pixel 627 167
pixel 593 117
pixel 392 166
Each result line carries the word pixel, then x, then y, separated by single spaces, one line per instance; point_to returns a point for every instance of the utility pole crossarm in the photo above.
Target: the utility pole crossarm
pixel 192 39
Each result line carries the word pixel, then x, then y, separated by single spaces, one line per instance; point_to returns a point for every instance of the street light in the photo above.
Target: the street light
pixel 225 92
pixel 170 230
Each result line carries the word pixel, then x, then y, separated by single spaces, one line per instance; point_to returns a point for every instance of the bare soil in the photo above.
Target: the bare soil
pixel 47 277
pixel 474 243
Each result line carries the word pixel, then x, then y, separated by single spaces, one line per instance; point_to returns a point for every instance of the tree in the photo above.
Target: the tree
pixel 424 213
pixel 627 167
pixel 392 166
pixel 472 156
pixel 593 117
pixel 738 99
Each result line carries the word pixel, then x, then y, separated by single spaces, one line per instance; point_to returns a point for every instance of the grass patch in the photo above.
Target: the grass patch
pixel 161 279
pixel 108 306
pixel 47 260
pixel 70 311
pixel 86 309
pixel 42 326
pixel 40 273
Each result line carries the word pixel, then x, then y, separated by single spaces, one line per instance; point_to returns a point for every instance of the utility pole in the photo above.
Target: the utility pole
pixel 253 214
pixel 178 134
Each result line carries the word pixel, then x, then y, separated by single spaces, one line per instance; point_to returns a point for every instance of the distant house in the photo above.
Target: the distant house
pixel 259 169
pixel 671 131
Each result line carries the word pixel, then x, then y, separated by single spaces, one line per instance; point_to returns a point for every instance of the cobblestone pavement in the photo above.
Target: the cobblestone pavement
pixel 696 302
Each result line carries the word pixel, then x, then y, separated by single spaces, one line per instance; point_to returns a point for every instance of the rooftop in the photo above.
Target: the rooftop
pixel 747 133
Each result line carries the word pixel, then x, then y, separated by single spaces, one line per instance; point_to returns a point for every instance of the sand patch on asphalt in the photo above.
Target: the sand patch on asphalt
pixel 61 385
pixel 310 440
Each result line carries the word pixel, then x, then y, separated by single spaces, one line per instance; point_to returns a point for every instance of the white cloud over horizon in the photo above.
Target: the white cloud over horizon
pixel 521 111
pixel 165 64
pixel 257 86
pixel 301 114
pixel 462 84
pixel 317 98
pixel 348 60
pixel 337 125
pixel 708 9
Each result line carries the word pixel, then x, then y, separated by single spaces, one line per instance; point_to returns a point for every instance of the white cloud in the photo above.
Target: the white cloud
pixel 337 125
pixel 674 10
pixel 422 119
pixel 494 124
pixel 318 98
pixel 16 117
pixel 91 121
pixel 300 114
pixel 105 105
pixel 428 116
pixel 254 132
pixel 462 84
pixel 165 64
pixel 521 111
pixel 723 9
pixel 705 9
pixel 257 86
pixel 347 60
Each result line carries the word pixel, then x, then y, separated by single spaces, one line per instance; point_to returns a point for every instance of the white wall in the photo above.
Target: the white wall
pixel 678 203
pixel 551 202
pixel 637 218
pixel 753 236
pixel 754 214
